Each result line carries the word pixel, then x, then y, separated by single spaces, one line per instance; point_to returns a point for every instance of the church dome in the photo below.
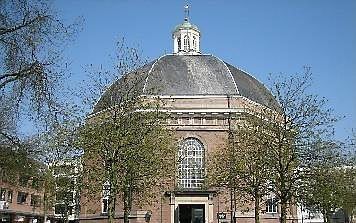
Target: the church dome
pixel 187 75
pixel 187 72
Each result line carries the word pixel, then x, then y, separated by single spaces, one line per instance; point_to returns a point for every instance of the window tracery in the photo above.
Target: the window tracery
pixel 191 164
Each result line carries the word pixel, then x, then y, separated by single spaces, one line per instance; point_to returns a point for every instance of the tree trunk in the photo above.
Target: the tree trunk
pixel 257 210
pixel 45 206
pixel 111 208
pixel 127 204
pixel 256 195
pixel 283 218
pixel 66 218
pixel 126 209
pixel 110 218
pixel 126 215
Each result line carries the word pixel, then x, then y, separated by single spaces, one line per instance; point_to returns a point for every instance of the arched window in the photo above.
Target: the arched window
pixel 191 164
pixel 179 44
pixel 194 43
pixel 186 43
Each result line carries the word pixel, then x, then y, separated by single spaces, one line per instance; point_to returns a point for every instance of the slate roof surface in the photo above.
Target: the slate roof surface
pixel 187 75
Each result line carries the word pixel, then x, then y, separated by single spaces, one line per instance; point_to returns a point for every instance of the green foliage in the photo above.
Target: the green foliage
pixel 67 176
pixel 332 185
pixel 242 166
pixel 304 120
pixel 348 203
pixel 128 151
pixel 129 148
pixel 274 150
pixel 332 189
pixel 31 41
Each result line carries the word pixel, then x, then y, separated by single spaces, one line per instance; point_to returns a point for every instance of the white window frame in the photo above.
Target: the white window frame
pixel 2 194
pixel 179 42
pixel 194 43
pixel 271 205
pixel 191 166
pixel 105 198
pixel 10 194
pixel 23 195
pixel 104 202
pixel 186 43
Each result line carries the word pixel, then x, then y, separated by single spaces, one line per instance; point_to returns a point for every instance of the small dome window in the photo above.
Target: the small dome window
pixel 179 43
pixel 194 43
pixel 186 43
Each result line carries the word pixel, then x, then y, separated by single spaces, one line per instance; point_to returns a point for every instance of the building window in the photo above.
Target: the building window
pixel 21 197
pixel 105 205
pixel 2 194
pixel 105 199
pixel 191 164
pixel 60 209
pixel 194 43
pixel 210 121
pixel 271 205
pixel 187 121
pixel 198 121
pixel 9 196
pixel 226 121
pixel 179 121
pixel 179 44
pixel 186 43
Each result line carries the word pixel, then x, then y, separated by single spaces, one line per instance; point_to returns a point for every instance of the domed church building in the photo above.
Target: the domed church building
pixel 200 91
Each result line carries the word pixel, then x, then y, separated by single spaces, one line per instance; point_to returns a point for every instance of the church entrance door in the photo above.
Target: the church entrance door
pixel 191 213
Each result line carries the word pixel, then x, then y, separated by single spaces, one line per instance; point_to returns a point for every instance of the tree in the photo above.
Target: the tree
pixel 303 120
pixel 242 166
pixel 281 141
pixel 129 152
pixel 58 152
pixel 128 149
pixel 66 175
pixel 324 190
pixel 15 163
pixel 348 203
pixel 332 189
pixel 31 40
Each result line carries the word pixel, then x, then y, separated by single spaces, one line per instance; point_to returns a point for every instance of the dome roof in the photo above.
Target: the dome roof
pixel 186 25
pixel 187 75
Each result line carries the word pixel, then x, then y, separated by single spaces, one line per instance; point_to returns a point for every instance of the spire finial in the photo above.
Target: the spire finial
pixel 186 12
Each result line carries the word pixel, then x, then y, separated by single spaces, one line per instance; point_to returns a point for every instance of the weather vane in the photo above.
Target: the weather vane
pixel 186 11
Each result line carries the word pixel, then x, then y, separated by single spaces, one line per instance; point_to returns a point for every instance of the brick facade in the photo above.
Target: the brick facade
pixel 20 204
pixel 205 119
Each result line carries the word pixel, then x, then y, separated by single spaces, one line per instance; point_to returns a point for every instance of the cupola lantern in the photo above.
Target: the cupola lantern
pixel 186 37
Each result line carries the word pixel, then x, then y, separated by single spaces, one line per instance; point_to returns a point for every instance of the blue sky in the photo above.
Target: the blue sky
pixel 259 36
